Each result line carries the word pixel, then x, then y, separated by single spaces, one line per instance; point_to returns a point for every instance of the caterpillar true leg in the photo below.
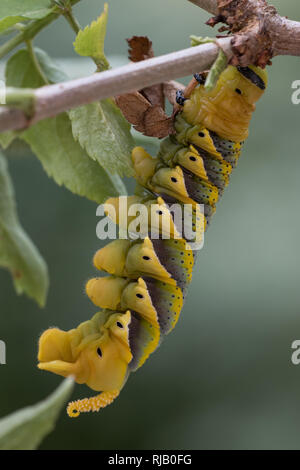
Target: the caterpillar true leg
pixel 200 78
pixel 180 99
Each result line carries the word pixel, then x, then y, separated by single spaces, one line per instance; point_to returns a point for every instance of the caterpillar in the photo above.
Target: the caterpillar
pixel 142 296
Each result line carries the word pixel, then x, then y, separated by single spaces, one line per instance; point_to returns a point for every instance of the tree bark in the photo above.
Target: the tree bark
pixel 259 32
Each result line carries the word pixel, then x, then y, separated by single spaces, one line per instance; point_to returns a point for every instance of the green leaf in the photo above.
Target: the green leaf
pixel 16 11
pixel 67 162
pixel 17 252
pixel 90 41
pixel 6 138
pixel 217 68
pixel 26 428
pixel 101 128
pixel 105 134
pixel 21 73
pixel 198 40
pixel 52 140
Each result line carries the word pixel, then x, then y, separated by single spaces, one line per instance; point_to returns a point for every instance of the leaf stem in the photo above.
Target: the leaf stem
pixel 36 63
pixel 68 14
pixel 32 29
pixel 71 19
pixel 11 44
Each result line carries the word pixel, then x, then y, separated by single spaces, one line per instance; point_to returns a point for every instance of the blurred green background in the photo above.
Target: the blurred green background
pixel 224 378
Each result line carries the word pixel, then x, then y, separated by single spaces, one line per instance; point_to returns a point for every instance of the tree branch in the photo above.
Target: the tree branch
pixel 53 99
pixel 259 32
pixel 285 36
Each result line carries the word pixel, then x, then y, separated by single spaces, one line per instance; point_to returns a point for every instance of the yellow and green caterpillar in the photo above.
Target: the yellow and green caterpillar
pixel 143 295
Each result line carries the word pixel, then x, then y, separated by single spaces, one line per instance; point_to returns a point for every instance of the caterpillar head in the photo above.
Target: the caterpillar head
pixel 96 353
pixel 245 83
pixel 227 109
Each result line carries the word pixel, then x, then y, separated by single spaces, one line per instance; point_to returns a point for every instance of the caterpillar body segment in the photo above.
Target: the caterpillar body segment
pixel 165 217
pixel 101 341
pixel 197 161
pixel 170 261
pixel 142 293
pixel 175 181
pixel 198 136
pixel 228 108
pixel 155 214
pixel 156 302
pixel 189 158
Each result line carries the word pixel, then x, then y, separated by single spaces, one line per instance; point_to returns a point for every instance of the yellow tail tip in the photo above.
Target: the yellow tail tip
pixel 75 408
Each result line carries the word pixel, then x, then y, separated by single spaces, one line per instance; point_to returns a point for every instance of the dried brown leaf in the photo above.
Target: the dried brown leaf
pixel 133 105
pixel 155 95
pixel 157 123
pixel 148 119
pixel 145 109
pixel 140 48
